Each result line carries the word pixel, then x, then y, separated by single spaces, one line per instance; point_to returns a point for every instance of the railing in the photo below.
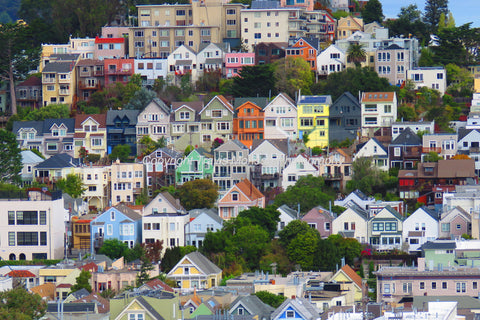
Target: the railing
pixel 49 80
pixel 432 149
pixel 86 85
pixel 98 73
pixel 119 72
pixel 335 176
pixel 64 92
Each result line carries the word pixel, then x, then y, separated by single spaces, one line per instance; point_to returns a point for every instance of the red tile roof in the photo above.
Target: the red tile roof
pixel 89 266
pixel 377 96
pixel 100 118
pixel 249 189
pixel 30 82
pixel 352 275
pixel 64 285
pixel 21 274
pixel 157 284
pixel 102 303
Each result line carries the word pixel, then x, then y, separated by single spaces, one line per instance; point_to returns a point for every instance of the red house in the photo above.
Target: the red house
pixel 307 49
pixel 118 70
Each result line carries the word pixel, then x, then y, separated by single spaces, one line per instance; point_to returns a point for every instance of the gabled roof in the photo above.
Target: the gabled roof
pixel 80 293
pixel 229 144
pixel 392 211
pixel 280 144
pixel 196 106
pixel 172 201
pixel 292 213
pixel 358 210
pixel 100 118
pixel 89 266
pixel 460 210
pixel 58 161
pixel 68 122
pixel 313 42
pixel 202 262
pixel 408 138
pixel 348 96
pixel 350 273
pixel 428 211
pixel 361 145
pixel 463 132
pixel 37 125
pixel 131 115
pixel 439 244
pixel 20 274
pixel 130 213
pixel 284 96
pixel 223 100
pixel 254 305
pixel 260 102
pixel 30 157
pixel 160 104
pixel 301 305
pixel 155 284
pixel 103 304
pixel 33 81
pixel 249 190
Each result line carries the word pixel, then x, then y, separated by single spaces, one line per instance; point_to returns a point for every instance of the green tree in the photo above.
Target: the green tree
pixel 140 99
pixel 251 243
pixel 254 81
pixel 52 111
pixel 327 256
pixel 369 179
pixel 293 74
pixel 407 113
pixel 459 81
pixel 356 53
pixel 18 55
pixel 197 194
pixel 433 11
pixel 11 163
pixel 308 192
pixel 432 157
pixel 148 145
pixel 302 249
pixel 408 24
pixel 72 185
pixel 426 58
pixel 20 304
pixel 113 248
pixel 372 12
pixel 83 282
pixel 170 258
pixel 267 218
pixel 144 276
pixel 271 299
pixel 121 152
pixel 455 46
pixel 291 230
pixel 135 253
pixel 348 248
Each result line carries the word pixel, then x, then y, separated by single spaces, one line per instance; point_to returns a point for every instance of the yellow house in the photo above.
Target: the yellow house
pixel 91 134
pixel 350 281
pixel 59 80
pixel 346 26
pixel 195 271
pixel 313 112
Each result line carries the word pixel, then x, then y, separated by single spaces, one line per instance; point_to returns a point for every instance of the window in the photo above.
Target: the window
pixel 439 75
pixel 396 152
pixel 444 285
pixel 461 287
pixel 27 217
pixel 422 285
pixel 43 217
pixel 434 285
pixel 407 287
pixel 27 238
pixel 290 314
pixel 474 285
pixel 235 196
pixel 258 36
pixel 445 227
pixel 11 217
pixel 11 238
pixel 180 12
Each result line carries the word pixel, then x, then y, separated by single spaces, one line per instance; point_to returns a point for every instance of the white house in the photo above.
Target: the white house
pixel 151 69
pixel 281 118
pixel 210 57
pixel 154 121
pixel 419 228
pixel 425 126
pixel 352 223
pixel 297 167
pixel 379 109
pixel 374 150
pixel 355 197
pixel 469 144
pixel 287 215
pixel 331 60
pixel 430 77
pixel 270 156
pixel 182 61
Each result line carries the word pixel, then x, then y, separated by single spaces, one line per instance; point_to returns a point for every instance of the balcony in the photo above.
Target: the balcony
pixel 64 92
pixel 65 80
pixel 433 149
pixel 119 72
pixel 98 73
pixel 335 176
pixel 48 80
pixel 83 85
pixel 137 190
pixel 221 175
pixel 269 176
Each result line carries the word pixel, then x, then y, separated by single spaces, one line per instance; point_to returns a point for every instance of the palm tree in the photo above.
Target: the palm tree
pixel 356 54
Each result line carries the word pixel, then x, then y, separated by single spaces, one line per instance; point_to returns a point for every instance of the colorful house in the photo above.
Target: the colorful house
pixel 195 271
pixel 313 113
pixel 346 275
pixel 197 165
pixel 58 79
pixel 234 62
pixel 216 120
pixel 320 219
pixel 281 118
pixel 118 70
pixel 296 309
pixel 240 197
pixel 306 49
pixel 248 123
pixel 90 133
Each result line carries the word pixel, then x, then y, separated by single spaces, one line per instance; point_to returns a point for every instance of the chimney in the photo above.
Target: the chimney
pixel 421 264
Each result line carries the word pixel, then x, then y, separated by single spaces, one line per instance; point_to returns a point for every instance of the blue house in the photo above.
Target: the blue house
pixel 345 118
pixel 120 223
pixel 298 308
pixel 201 222
pixel 121 129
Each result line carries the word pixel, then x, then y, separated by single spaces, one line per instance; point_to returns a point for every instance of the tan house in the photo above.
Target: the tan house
pixel 127 182
pixel 91 134
pixel 347 26
pixel 195 271
pixel 163 28
pixel 59 79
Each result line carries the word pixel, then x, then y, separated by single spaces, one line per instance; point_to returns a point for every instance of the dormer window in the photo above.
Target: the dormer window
pixel 235 196
pixel 86 128
pixel 94 128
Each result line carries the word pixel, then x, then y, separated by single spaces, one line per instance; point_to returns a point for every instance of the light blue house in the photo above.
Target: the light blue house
pixel 201 222
pixel 120 223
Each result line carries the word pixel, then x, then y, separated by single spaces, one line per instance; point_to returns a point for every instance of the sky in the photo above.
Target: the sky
pixel 463 11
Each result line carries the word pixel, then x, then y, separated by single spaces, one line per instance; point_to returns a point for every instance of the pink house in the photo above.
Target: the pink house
pixel 118 70
pixel 454 223
pixel 235 61
pixel 109 48
pixel 241 196
pixel 320 219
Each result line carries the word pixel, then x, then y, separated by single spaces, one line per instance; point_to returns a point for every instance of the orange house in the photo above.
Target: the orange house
pixel 248 123
pixel 307 49
pixel 241 196
pixel 118 70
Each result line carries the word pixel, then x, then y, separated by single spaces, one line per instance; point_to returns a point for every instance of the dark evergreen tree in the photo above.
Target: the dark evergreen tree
pixel 372 11
pixel 433 11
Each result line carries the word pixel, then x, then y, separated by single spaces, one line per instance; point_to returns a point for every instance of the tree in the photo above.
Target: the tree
pixel 18 55
pixel 348 248
pixel 432 156
pixel 267 218
pixel 356 54
pixel 83 282
pixel 143 276
pixel 459 81
pixel 308 192
pixel 251 243
pixel 140 99
pixel 369 179
pixel 51 111
pixel 426 58
pixel 293 74
pixel 11 163
pixel 113 248
pixel 135 253
pixel 271 299
pixel 20 304
pixel 433 10
pixel 120 152
pixel 372 12
pixel 291 230
pixel 72 185
pixel 153 251
pixel 197 194
pixel 148 145
pixel 254 81
pixel 171 257
pixel 409 24
pixel 302 250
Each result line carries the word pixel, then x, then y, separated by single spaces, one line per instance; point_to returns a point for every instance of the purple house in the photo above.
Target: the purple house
pixel 321 219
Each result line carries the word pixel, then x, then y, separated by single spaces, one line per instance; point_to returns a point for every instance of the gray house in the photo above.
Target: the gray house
pixel 345 118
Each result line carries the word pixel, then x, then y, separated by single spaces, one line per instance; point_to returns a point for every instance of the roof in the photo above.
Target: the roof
pixel 30 157
pixel 292 213
pixel 408 137
pixel 314 42
pixel 261 102
pixel 280 144
pixel 37 125
pixel 393 46
pixel 360 146
pixel 456 168
pixel 463 132
pixel 100 118
pixel 159 284
pixel 203 263
pixel 463 302
pixel 301 305
pixel 90 62
pixel 80 293
pixel 352 275
pixel 254 305
pixel 68 122
pixel 103 304
pixel 59 67
pixel 249 189
pixel 89 266
pixel 130 213
pixel 173 201
pixel 194 213
pixel 72 307
pixel 326 99
pixel 33 81
pixel 131 115
pixel 197 106
pixel 20 274
pixel 109 40
pixel 378 96
pixel 57 161
pixel 348 96
pixel 64 285
pixel 64 56
pixel 439 244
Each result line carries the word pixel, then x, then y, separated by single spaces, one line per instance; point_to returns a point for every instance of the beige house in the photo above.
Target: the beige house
pixel 347 26
pixel 91 134
pixel 96 181
pixel 162 28
pixel 127 182
pixel 352 223
pixel 392 63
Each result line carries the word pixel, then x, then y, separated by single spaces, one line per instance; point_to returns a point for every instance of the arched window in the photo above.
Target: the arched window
pixel 22 256
pixel 12 257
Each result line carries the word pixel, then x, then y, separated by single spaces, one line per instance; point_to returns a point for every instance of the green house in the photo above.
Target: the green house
pixel 197 165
